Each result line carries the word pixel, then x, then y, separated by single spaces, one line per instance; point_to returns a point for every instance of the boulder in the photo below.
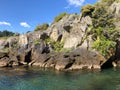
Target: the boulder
pixel 4 62
pixel 39 54
pixel 64 62
pixel 39 60
pixel 79 59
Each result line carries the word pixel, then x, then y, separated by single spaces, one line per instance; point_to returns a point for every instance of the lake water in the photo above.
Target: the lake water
pixel 39 79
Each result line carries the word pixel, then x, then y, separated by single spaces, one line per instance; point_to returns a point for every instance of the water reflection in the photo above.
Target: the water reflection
pixel 40 79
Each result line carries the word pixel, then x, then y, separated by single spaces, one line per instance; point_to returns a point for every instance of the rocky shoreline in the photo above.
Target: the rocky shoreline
pixel 33 50
pixel 40 55
pixel 65 45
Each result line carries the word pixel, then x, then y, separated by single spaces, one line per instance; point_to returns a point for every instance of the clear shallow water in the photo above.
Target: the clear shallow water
pixel 38 79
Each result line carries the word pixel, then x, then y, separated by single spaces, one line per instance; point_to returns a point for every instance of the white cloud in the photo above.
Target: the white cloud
pixel 76 2
pixel 24 24
pixel 5 23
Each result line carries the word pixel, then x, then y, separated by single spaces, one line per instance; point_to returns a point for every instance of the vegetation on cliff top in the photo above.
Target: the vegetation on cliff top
pixel 43 26
pixel 103 27
pixel 87 10
pixel 59 17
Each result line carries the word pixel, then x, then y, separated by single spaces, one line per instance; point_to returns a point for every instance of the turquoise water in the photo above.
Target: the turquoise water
pixel 39 79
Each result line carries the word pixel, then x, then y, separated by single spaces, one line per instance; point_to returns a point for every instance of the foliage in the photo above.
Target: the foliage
pixel 101 18
pixel 105 46
pixel 59 17
pixel 103 29
pixel 87 10
pixel 43 26
pixel 56 45
pixel 6 33
pixel 109 2
pixel 36 42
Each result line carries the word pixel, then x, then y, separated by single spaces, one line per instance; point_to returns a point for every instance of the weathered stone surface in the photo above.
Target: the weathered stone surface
pixel 72 42
pixel 4 61
pixel 115 8
pixel 39 60
pixel 58 29
pixel 63 61
pixel 12 41
pixel 2 55
pixel 55 34
pixel 85 22
pixel 23 40
pixel 77 33
pixel 79 59
pixel 33 50
pixel 2 44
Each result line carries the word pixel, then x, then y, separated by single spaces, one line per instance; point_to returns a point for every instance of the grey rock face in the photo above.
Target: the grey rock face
pixel 33 50
pixel 2 44
pixel 12 41
pixel 78 33
pixel 115 8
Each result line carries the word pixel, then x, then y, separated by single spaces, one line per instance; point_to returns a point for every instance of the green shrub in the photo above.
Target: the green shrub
pixel 59 17
pixel 56 45
pixel 36 42
pixel 87 10
pixel 43 26
pixel 105 46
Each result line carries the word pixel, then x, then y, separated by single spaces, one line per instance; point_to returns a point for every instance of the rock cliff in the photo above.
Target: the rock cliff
pixel 65 45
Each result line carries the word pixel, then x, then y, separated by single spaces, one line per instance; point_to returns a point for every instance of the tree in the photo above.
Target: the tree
pixel 6 33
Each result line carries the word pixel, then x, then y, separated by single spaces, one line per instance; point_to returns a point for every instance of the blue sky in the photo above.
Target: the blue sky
pixel 24 15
